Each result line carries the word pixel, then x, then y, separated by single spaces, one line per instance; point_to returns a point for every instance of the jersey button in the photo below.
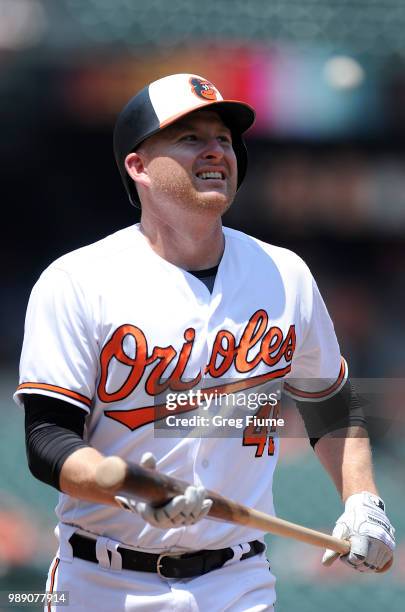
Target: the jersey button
pixel 205 463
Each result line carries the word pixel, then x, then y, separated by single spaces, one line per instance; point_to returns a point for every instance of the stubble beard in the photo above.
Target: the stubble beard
pixel 180 189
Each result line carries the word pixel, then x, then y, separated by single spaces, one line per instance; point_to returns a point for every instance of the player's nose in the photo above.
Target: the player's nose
pixel 214 149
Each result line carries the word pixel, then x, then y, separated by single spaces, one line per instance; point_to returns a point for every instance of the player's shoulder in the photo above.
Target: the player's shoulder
pixel 99 255
pixel 280 256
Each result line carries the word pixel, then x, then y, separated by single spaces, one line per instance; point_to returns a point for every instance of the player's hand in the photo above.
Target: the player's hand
pixel 184 509
pixel 370 532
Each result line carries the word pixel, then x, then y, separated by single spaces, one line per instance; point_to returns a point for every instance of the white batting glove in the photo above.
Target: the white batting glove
pixel 370 532
pixel 184 509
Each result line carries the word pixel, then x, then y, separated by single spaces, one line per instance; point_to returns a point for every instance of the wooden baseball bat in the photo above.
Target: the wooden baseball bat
pixel 116 476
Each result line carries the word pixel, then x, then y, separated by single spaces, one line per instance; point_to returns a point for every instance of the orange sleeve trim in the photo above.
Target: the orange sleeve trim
pixel 320 394
pixel 52 583
pixel 55 389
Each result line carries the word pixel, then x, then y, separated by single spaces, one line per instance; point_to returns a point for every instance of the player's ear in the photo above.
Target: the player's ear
pixel 135 166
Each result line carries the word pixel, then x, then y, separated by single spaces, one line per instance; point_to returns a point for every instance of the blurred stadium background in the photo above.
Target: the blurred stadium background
pixel 326 178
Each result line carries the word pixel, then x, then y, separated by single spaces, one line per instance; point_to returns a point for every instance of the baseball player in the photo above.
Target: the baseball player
pixel 176 303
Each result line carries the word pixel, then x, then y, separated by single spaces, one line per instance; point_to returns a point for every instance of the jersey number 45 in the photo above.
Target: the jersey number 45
pixel 258 433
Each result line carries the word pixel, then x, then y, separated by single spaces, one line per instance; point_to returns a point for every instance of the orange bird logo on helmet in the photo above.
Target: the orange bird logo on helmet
pixel 203 89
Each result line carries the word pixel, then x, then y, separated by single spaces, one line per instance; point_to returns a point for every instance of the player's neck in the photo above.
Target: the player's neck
pixel 196 245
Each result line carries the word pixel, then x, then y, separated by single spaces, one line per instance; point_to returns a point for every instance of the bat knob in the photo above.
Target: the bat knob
pixel 110 473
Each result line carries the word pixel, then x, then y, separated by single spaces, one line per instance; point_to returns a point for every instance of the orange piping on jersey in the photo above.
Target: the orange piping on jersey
pixel 319 394
pixel 52 584
pixel 55 389
pixel 137 417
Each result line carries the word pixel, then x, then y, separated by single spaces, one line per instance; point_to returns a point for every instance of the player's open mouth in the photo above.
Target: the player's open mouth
pixel 210 175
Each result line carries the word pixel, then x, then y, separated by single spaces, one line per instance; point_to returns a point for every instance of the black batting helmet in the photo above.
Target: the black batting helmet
pixel 165 101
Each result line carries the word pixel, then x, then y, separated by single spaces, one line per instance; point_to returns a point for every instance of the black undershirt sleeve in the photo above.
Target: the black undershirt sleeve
pixel 338 412
pixel 53 430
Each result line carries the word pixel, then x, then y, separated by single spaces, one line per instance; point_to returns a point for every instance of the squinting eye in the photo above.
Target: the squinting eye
pixel 189 137
pixel 226 139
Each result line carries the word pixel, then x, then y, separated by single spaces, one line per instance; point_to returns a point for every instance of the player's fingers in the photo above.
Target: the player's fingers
pixel 367 554
pixel 146 512
pixel 378 554
pixel 206 507
pixel 161 517
pixel 194 498
pixel 359 545
pixel 386 563
pixel 173 512
pixel 181 510
pixel 148 460
pixel 375 552
pixel 358 551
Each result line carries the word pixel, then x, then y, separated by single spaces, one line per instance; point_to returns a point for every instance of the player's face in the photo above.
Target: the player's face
pixel 192 162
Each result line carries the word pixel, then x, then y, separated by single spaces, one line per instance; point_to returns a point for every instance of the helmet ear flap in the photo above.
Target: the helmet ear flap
pixel 136 122
pixel 239 147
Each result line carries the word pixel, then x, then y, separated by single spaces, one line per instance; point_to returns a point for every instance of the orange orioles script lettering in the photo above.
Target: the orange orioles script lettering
pixel 270 346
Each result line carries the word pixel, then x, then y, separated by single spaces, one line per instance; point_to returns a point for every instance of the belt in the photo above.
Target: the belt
pixel 185 565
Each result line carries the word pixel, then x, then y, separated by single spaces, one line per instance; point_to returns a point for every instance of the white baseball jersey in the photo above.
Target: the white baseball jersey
pixel 112 326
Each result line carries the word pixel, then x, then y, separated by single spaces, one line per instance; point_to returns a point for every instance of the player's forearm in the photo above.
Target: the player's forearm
pixel 77 477
pixel 346 456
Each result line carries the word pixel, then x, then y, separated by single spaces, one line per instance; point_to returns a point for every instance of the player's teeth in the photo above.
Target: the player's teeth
pixel 215 175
